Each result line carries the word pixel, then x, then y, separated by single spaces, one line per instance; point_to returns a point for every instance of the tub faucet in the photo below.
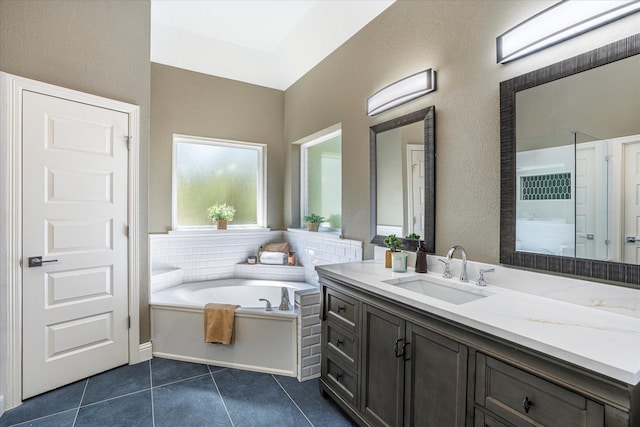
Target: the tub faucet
pixel 463 270
pixel 284 301
pixel 268 307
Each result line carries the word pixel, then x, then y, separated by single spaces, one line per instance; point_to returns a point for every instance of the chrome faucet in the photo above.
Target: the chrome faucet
pixel 268 307
pixel 463 270
pixel 481 281
pixel 284 301
pixel 446 273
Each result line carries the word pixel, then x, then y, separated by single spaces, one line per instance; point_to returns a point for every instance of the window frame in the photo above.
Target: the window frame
pixel 306 143
pixel 261 185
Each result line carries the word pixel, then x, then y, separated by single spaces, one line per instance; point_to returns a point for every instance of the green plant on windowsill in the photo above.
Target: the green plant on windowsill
pixel 412 236
pixel 221 214
pixel 313 221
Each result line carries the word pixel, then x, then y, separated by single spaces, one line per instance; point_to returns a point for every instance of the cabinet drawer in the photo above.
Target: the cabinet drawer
pixel 526 400
pixel 343 344
pixel 342 308
pixel 343 380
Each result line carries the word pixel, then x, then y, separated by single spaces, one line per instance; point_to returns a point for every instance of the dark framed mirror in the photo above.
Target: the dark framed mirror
pixel 402 176
pixel 523 213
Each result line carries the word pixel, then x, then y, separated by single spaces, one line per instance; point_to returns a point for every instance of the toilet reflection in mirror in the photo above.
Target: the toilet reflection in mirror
pixel 578 165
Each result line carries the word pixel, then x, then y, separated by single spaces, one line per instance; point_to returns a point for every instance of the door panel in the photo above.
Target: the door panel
pixel 75 310
pixel 384 371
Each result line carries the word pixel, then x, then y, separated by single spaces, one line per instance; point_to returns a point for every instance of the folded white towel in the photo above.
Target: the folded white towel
pixel 273 258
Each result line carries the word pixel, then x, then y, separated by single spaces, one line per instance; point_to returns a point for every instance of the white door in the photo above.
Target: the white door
pixel 75 306
pixel 591 202
pixel 632 203
pixel 416 190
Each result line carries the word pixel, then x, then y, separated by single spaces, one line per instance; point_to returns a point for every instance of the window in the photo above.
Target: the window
pixel 212 171
pixel 321 177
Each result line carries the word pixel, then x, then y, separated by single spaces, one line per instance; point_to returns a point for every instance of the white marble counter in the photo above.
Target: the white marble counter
pixel 592 325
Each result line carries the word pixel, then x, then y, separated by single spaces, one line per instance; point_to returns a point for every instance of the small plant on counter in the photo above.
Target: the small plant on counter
pixel 412 236
pixel 313 221
pixel 392 242
pixel 221 214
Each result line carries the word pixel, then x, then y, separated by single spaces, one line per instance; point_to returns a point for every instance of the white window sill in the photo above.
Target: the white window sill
pixel 214 231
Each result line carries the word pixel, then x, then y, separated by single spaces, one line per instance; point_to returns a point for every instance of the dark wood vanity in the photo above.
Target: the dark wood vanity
pixel 389 364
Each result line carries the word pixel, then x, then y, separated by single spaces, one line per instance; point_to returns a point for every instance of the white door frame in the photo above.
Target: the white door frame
pixel 11 88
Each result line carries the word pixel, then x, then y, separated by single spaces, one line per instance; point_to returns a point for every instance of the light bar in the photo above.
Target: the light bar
pixel 560 22
pixel 402 91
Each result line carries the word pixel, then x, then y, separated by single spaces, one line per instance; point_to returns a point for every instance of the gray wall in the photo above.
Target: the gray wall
pixel 457 39
pixel 99 47
pixel 190 103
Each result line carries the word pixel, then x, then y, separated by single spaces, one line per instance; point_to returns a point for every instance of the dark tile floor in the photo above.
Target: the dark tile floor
pixel 164 392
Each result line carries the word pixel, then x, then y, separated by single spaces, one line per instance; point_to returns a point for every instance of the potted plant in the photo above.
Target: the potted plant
pixel 412 236
pixel 221 214
pixel 313 221
pixel 393 243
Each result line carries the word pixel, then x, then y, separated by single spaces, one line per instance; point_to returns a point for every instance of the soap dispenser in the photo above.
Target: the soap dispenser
pixel 421 258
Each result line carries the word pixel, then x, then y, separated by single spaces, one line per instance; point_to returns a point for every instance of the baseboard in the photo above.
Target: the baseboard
pixel 145 351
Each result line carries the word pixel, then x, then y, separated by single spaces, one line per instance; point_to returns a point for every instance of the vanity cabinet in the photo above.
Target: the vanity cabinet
pixel 407 374
pixel 389 364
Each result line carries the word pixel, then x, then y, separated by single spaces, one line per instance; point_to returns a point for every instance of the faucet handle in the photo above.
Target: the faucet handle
pixel 446 273
pixel 481 281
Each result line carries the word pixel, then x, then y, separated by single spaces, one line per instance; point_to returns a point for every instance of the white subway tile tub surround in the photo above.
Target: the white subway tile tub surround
pixel 314 249
pixel 269 272
pixel 163 279
pixel 206 256
pixel 309 330
pixel 221 255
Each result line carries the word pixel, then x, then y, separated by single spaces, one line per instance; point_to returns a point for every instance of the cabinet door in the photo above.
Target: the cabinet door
pixel 383 372
pixel 435 379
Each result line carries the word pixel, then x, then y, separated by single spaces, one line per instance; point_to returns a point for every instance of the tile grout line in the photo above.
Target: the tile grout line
pixel 294 402
pixel 153 411
pixel 182 380
pixel 86 384
pixel 220 394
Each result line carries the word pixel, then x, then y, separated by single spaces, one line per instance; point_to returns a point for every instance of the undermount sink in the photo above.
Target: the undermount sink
pixel 450 292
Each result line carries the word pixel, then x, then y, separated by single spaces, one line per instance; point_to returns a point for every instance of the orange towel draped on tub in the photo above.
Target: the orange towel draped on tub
pixel 219 320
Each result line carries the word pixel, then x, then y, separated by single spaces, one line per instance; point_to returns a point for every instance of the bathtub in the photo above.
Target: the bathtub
pixel 265 341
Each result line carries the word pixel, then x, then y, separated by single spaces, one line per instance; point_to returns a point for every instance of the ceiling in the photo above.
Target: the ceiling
pixel 269 43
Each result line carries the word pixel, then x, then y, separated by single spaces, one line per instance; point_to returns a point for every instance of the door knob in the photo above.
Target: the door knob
pixel 632 239
pixel 37 261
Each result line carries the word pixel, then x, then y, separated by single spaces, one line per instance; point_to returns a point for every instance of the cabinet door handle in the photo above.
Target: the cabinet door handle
pixel 396 348
pixel 339 342
pixel 339 376
pixel 527 404
pixel 404 351
pixel 341 308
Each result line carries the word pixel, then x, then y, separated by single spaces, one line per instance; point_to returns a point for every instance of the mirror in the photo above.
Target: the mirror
pixel 402 176
pixel 567 131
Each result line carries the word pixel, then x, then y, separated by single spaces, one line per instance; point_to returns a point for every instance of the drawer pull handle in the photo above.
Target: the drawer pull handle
pixel 527 404
pixel 339 342
pixel 341 308
pixel 339 377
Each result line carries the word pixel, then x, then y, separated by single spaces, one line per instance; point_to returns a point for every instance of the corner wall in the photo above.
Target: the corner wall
pixel 190 103
pixel 457 39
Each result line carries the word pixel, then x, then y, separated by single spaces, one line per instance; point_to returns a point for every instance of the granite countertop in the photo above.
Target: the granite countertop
pixel 592 325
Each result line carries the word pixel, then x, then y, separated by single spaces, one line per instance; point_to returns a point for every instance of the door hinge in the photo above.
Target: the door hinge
pixel 126 230
pixel 128 140
pixel 129 322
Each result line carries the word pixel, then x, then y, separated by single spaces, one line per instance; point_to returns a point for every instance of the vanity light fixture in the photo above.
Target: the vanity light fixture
pixel 560 22
pixel 402 91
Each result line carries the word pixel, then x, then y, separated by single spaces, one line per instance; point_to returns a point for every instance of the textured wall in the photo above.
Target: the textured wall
pixel 457 39
pixel 196 104
pixel 99 47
